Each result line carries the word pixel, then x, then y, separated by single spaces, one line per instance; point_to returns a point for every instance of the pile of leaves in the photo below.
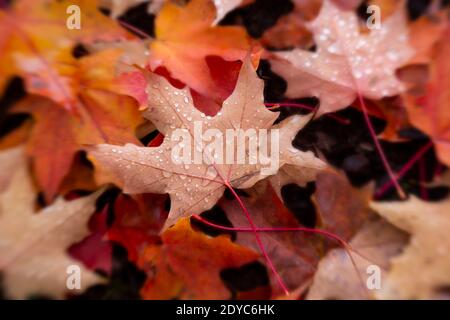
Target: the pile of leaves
pixel 87 180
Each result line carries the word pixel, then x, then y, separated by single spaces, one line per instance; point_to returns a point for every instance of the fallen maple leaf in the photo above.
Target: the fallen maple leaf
pixel 430 111
pixel 52 150
pixel 36 44
pixel 421 270
pixel 194 188
pixel 124 65
pixel 183 47
pixel 340 209
pixel 425 33
pixel 338 277
pixel 223 74
pixel 57 134
pixel 347 62
pixel 188 264
pixel 33 258
pixel 293 254
pixel 102 116
pixel 138 222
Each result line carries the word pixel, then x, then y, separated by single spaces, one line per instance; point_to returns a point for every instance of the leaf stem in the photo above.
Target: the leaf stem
pixel 134 29
pixel 405 168
pixel 328 234
pixel 387 166
pixel 423 178
pixel 254 229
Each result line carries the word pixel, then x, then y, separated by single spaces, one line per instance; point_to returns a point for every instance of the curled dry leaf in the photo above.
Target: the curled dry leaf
pixel 347 62
pixel 196 185
pixel 33 257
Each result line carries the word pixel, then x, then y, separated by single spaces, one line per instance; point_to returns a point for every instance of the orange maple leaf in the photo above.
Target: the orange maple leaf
pixel 183 47
pixel 430 112
pixel 188 264
pixel 37 44
pixel 102 116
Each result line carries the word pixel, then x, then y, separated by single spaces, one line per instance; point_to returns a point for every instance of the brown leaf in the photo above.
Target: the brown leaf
pixel 293 254
pixel 341 208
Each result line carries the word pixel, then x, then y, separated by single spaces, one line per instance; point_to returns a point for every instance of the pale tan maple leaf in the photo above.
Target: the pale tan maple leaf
pixel 33 257
pixel 194 188
pixel 346 62
pixel 338 278
pixel 422 271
